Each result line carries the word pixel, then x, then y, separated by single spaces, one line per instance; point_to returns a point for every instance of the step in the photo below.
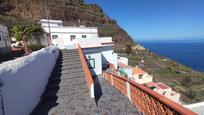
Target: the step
pixel 71 90
pixel 74 50
pixel 73 71
pixel 68 66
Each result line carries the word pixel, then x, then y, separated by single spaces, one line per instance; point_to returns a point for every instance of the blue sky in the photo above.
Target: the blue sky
pixel 157 19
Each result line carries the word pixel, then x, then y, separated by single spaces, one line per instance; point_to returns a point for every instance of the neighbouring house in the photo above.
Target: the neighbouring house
pixel 5 42
pixel 124 70
pixel 140 76
pixel 138 47
pixel 98 50
pixel 123 60
pixel 164 90
pixel 135 74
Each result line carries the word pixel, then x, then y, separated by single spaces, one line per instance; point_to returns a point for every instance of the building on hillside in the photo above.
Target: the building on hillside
pixel 98 50
pixel 135 74
pixel 124 70
pixel 140 76
pixel 5 42
pixel 123 60
pixel 164 90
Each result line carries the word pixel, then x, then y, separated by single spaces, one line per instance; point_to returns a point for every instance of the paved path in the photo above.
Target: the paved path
pixel 67 92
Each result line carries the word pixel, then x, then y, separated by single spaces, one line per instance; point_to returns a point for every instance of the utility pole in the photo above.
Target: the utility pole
pixel 47 16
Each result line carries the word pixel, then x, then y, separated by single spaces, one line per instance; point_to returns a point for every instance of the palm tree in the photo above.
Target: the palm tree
pixel 24 32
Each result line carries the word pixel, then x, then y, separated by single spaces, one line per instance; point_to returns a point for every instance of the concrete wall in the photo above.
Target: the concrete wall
pixel 25 79
pixel 101 55
pixel 64 39
pixel 98 63
pixel 123 60
pixel 110 57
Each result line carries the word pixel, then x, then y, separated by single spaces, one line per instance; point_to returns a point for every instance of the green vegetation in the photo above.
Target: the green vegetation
pixel 23 32
pixel 182 79
pixel 128 48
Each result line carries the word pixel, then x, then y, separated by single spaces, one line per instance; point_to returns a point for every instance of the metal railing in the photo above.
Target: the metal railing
pixel 144 99
pixel 88 76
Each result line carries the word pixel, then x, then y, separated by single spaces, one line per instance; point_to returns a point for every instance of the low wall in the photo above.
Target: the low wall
pixel 25 79
pixel 144 99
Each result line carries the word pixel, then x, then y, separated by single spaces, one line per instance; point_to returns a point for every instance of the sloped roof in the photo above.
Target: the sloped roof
pixel 138 71
pixel 157 85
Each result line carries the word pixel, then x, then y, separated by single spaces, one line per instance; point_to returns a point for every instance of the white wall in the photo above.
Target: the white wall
pixel 123 60
pixel 146 78
pixel 98 63
pixel 110 57
pixel 64 39
pixel 25 80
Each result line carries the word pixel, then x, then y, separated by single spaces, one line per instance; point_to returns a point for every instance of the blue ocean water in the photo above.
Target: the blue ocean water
pixel 189 53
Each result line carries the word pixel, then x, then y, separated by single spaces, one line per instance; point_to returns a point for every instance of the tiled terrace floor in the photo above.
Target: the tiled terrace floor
pixel 67 92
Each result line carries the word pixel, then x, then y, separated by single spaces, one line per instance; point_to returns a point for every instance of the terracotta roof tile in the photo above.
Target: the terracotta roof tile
pixel 138 71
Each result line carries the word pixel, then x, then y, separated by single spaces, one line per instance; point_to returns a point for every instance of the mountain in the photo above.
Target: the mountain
pixel 72 12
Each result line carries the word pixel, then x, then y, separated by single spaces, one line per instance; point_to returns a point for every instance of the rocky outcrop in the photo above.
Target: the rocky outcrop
pixel 72 12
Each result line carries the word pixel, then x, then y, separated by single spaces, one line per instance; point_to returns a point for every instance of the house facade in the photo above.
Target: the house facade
pixel 164 90
pixel 141 76
pixel 98 50
pixel 5 42
pixel 135 74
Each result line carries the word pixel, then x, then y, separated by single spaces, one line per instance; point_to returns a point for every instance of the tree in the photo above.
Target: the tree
pixel 128 48
pixel 24 32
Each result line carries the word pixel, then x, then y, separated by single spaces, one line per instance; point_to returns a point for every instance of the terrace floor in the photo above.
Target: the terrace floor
pixel 67 92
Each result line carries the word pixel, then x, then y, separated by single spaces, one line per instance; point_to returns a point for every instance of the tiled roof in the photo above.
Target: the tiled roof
pixel 162 86
pixel 138 71
pixel 158 85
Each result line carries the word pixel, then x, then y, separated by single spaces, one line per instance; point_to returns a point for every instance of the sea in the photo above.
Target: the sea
pixel 186 52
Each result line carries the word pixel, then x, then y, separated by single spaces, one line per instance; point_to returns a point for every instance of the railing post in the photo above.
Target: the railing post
pixel 128 91
pixel 112 80
pixel 92 91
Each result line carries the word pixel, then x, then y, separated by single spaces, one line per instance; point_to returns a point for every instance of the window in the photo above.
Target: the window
pixel 90 62
pixel 54 37
pixel 73 37
pixel 83 36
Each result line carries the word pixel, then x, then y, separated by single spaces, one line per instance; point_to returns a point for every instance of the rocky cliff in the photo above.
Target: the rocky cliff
pixel 72 12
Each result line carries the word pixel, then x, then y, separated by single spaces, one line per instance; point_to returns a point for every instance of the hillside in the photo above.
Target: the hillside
pixel 70 11
pixel 181 78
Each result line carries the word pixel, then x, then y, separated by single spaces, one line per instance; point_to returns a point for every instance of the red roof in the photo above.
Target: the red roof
pixel 151 84
pixel 137 71
pixel 158 85
pixel 162 86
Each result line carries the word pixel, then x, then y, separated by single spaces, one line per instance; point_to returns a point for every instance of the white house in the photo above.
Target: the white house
pixel 98 50
pixel 165 91
pixel 123 60
pixel 5 42
pixel 141 76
